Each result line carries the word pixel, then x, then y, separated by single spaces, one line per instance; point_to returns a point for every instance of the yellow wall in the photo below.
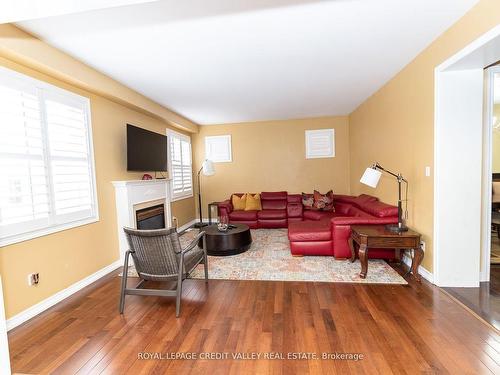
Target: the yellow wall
pixel 496 142
pixel 270 156
pixel 395 125
pixel 66 257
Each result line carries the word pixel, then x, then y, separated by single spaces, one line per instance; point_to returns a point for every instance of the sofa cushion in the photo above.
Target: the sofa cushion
pixel 294 198
pixel 271 214
pixel 241 215
pixel 354 211
pixel 318 215
pixel 309 231
pixel 273 204
pixel 294 210
pixel 274 195
pixel 380 209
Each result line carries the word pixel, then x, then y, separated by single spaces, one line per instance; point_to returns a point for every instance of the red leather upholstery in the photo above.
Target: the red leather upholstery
pixel 312 248
pixel 309 231
pixel 243 215
pixel 314 232
pixel 318 215
pixel 271 214
pixel 294 209
pixel 294 198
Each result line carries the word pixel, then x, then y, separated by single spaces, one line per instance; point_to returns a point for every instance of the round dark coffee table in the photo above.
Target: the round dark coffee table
pixel 234 241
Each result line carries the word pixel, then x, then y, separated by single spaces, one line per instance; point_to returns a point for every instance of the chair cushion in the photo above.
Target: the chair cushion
pixel 239 203
pixel 253 202
pixel 309 231
pixel 271 214
pixel 241 215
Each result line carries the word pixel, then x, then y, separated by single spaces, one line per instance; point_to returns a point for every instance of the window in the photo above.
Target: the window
pixel 47 178
pixel 320 143
pixel 218 148
pixel 180 166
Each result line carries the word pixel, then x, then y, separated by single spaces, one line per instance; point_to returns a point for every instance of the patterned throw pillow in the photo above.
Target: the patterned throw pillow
pixel 323 202
pixel 307 201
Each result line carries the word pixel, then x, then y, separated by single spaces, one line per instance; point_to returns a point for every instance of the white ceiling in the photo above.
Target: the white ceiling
pixel 224 61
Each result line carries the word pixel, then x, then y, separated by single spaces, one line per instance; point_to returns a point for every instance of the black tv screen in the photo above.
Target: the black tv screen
pixel 146 150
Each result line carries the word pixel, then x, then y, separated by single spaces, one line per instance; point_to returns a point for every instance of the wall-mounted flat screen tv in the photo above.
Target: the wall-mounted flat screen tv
pixel 146 150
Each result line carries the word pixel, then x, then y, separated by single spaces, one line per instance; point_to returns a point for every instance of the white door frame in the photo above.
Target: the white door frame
pixel 487 172
pixel 458 162
pixel 4 342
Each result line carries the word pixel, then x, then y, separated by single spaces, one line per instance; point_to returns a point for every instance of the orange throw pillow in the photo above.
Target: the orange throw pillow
pixel 253 202
pixel 323 202
pixel 239 203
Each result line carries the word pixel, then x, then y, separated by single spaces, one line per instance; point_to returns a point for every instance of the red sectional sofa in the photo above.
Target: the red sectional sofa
pixel 314 232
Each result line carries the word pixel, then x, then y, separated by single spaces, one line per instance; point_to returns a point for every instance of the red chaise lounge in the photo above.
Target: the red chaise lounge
pixel 313 232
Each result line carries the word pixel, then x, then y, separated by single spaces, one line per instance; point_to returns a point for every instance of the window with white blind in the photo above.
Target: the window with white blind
pixel 47 180
pixel 180 166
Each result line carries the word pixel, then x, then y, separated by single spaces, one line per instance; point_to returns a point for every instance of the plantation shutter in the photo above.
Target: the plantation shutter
pixel 45 157
pixel 180 166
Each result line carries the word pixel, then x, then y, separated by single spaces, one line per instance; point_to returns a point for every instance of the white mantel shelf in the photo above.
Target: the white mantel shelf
pixel 137 194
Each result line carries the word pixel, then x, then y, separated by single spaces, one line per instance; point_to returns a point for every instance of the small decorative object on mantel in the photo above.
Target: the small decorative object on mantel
pixel 147 177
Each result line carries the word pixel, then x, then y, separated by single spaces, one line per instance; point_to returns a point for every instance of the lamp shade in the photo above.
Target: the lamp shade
pixel 208 168
pixel 371 177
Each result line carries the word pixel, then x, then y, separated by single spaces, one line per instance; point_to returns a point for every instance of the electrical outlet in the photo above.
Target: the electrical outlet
pixel 422 245
pixel 33 279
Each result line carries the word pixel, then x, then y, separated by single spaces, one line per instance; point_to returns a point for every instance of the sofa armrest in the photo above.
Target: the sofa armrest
pixel 225 208
pixel 341 231
pixel 294 209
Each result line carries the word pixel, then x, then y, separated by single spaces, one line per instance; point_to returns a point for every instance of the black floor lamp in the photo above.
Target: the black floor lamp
pixel 371 178
pixel 208 170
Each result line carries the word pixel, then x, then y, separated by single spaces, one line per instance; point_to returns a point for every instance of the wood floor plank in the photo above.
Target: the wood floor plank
pixel 399 330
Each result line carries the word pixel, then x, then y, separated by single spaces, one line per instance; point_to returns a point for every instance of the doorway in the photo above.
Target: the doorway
pixel 460 212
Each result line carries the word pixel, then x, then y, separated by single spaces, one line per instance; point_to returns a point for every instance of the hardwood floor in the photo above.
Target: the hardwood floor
pixel 399 329
pixel 485 300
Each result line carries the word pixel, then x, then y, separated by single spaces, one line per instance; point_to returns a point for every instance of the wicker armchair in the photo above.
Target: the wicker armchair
pixel 158 256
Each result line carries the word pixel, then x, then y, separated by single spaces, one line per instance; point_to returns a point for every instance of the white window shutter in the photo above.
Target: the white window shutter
pixel 180 165
pixel 320 143
pixel 48 179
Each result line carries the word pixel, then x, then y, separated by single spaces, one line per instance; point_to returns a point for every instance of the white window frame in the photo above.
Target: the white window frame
pixel 58 226
pixel 330 133
pixel 228 158
pixel 178 196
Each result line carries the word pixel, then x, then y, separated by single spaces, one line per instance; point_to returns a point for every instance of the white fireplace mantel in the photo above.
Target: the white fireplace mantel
pixel 138 194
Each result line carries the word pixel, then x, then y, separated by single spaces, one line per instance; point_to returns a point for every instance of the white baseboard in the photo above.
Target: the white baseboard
pixel 40 307
pixel 186 226
pixel 421 270
pixel 194 221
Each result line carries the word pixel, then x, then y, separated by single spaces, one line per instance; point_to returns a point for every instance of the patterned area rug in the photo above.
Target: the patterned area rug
pixel 269 258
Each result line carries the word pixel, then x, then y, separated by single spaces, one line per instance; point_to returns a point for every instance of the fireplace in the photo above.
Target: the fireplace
pixel 151 217
pixel 139 198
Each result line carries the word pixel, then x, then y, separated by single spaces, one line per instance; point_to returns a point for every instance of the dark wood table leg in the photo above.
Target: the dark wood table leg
pixel 363 258
pixel 353 252
pixel 415 263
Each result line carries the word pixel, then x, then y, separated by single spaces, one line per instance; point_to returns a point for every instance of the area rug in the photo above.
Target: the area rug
pixel 269 258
